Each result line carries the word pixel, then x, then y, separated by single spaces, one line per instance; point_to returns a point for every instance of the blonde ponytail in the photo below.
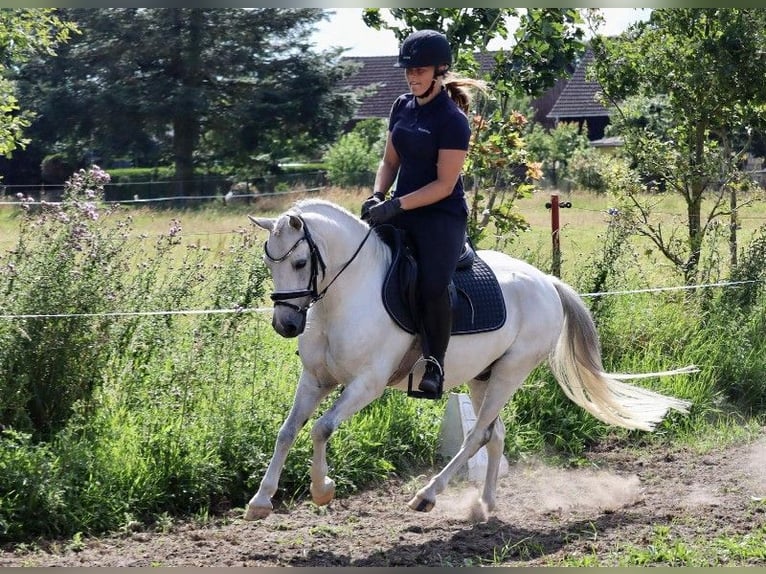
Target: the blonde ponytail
pixel 461 89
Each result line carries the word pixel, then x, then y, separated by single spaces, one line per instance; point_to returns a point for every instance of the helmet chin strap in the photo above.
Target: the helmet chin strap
pixel 429 90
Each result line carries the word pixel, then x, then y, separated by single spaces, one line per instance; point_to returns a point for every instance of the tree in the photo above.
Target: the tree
pixel 703 70
pixel 23 33
pixel 192 86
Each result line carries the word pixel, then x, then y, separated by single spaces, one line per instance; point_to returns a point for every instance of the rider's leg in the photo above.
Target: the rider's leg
pixel 436 317
pixel 438 238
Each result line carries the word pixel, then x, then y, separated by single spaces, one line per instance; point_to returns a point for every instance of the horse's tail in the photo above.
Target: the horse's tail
pixel 576 364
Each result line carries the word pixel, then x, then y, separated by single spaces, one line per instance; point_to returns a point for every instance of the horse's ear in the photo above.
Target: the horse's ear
pixel 263 222
pixel 296 222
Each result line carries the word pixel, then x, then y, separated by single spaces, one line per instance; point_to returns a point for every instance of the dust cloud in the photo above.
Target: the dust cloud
pixel 532 488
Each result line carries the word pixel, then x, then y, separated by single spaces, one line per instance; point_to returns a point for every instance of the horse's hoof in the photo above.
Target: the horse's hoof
pixel 479 512
pixel 253 512
pixel 324 495
pixel 421 504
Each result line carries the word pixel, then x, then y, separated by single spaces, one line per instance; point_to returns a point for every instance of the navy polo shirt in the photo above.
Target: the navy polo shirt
pixel 418 133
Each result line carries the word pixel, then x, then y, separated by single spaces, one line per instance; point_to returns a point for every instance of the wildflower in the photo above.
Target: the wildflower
pixel 89 209
pixel 175 228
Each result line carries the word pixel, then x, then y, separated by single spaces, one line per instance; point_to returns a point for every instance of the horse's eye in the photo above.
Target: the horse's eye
pixel 300 264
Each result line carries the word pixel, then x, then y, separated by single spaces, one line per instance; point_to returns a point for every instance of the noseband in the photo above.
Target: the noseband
pixel 317 264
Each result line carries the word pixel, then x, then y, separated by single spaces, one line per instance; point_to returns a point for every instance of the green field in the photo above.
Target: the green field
pixel 582 227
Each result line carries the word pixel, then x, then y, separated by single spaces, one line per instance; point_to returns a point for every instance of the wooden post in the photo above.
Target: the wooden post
pixel 556 263
pixel 733 226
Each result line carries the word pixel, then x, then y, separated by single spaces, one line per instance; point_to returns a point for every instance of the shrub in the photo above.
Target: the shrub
pixel 555 149
pixel 602 172
pixel 353 160
pixel 65 263
pixel 29 495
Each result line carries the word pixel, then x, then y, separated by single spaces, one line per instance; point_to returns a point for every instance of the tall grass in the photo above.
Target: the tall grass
pixel 111 418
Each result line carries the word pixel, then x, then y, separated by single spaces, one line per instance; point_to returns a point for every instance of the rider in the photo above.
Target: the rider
pixel 426 147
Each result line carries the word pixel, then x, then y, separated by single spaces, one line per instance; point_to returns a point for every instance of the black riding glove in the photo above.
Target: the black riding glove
pixel 384 211
pixel 371 201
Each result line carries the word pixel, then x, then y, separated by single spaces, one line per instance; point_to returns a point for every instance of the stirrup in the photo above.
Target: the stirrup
pixel 419 394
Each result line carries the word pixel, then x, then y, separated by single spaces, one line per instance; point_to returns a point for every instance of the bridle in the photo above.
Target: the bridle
pixel 317 265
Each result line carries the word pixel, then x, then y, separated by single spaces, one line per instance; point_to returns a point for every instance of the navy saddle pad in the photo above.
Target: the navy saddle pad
pixel 477 301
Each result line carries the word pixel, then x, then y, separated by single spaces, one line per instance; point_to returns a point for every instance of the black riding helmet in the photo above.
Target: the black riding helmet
pixel 424 48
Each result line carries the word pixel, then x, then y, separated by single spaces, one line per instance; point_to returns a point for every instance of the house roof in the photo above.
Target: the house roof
pixel 387 82
pixel 578 98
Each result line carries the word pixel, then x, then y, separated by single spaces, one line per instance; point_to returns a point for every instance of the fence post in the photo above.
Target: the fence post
pixel 556 262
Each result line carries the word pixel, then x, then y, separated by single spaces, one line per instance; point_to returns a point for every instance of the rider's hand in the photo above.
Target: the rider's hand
pixel 371 201
pixel 384 211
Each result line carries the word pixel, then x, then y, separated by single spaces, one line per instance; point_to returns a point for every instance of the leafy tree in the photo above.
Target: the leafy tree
pixel 191 87
pixel 708 65
pixel 502 172
pixel 24 33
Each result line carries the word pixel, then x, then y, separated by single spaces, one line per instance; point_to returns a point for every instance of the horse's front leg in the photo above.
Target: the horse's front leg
pixel 354 397
pixel 308 395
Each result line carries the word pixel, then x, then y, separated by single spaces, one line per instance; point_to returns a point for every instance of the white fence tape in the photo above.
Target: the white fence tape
pixel 266 309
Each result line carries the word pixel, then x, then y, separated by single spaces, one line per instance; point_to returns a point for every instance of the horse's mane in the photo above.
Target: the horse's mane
pixel 336 213
pixel 321 207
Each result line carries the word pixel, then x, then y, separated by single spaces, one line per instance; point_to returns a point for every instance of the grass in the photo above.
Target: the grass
pixel 667 548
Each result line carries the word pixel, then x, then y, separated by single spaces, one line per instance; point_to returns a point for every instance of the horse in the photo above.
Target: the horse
pixel 327 267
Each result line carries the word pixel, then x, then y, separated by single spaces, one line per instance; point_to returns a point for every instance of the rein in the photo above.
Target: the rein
pixel 317 263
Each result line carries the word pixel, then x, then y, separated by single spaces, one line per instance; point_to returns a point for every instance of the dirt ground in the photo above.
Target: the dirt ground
pixel 544 515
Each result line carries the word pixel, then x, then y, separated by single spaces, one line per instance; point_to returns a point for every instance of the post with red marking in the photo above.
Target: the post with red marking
pixel 556 263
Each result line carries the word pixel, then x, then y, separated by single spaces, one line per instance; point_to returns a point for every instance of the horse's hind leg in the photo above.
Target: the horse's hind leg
pixel 505 380
pixel 495 446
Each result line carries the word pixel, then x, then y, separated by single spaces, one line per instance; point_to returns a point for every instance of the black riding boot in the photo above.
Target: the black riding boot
pixel 436 326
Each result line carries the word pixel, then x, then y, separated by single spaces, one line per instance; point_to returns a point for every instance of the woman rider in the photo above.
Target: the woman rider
pixel 426 147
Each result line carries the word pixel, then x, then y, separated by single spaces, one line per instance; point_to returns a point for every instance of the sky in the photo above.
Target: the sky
pixel 345 29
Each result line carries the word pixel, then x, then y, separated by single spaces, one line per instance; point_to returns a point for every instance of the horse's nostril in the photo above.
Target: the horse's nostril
pixel 287 329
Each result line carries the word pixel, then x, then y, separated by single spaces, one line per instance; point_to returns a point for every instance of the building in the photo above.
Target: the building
pixel 579 103
pixel 569 100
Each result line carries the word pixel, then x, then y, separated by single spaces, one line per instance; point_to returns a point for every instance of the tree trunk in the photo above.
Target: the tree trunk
pixel 694 215
pixel 694 205
pixel 187 109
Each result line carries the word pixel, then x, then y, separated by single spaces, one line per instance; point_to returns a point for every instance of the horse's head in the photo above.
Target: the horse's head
pixel 295 264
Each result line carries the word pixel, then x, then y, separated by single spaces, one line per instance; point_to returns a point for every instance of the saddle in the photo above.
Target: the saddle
pixel 477 301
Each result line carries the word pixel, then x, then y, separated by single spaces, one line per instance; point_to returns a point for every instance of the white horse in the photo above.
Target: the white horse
pixel 328 270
